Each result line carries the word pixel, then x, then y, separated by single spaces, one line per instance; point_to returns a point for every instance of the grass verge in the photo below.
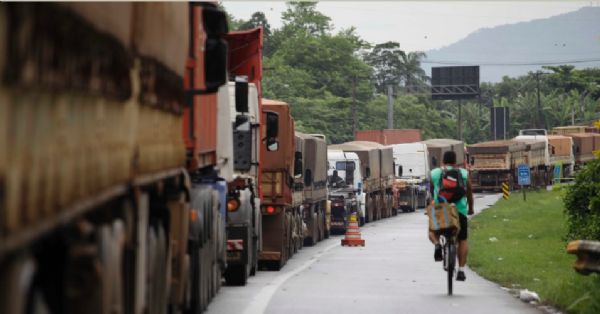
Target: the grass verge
pixel 521 245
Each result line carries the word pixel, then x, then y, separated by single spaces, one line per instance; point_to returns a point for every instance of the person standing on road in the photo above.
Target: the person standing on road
pixel 463 200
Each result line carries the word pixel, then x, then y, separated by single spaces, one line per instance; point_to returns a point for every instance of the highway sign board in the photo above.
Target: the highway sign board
pixel 524 174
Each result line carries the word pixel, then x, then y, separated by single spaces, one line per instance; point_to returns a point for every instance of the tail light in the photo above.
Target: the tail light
pixel 233 204
pixel 270 210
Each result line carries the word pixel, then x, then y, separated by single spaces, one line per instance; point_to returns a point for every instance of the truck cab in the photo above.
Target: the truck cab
pixel 411 168
pixel 346 189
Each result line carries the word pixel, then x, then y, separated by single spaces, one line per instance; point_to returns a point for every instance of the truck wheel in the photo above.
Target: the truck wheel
pixel 236 275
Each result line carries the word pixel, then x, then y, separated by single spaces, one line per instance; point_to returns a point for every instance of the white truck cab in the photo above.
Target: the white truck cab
pixel 347 165
pixel 411 163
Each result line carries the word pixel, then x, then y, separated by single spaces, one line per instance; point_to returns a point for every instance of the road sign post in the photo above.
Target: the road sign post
pixel 524 176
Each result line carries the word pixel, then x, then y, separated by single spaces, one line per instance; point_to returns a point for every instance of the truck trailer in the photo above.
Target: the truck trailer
pixel 376 184
pixel 495 162
pixel 314 176
pixel 281 201
pixel 243 191
pixel 111 191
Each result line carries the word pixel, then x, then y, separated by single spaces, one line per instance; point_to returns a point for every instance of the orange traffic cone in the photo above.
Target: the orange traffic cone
pixel 352 234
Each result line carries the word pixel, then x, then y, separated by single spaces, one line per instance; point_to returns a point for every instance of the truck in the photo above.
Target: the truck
pixel 583 147
pixel 111 186
pixel 411 162
pixel 495 162
pixel 314 175
pixel 543 170
pixel 378 176
pixel 389 136
pixel 281 201
pixel 536 152
pixel 565 130
pixel 346 193
pixel 437 147
pixel 561 153
pixel 243 190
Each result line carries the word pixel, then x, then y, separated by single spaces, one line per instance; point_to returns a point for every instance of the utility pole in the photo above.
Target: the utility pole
pixel 539 105
pixel 390 107
pixel 460 120
pixel 354 117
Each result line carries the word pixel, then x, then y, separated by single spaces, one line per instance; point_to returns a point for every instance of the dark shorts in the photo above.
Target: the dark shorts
pixel 464 227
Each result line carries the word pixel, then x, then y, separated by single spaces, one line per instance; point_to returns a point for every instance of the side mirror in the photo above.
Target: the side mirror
pixel 400 170
pixel 308 177
pixel 272 124
pixel 368 172
pixel 215 49
pixel 298 164
pixel 241 93
pixel 272 144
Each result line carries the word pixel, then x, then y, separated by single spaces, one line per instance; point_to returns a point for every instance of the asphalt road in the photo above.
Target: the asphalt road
pixel 393 273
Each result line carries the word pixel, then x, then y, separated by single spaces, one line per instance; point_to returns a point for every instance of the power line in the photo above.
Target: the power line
pixel 449 62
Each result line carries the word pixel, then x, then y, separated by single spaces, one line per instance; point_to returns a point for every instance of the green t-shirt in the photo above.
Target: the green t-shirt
pixel 436 173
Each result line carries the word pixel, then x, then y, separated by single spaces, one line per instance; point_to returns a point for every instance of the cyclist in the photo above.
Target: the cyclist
pixel 455 188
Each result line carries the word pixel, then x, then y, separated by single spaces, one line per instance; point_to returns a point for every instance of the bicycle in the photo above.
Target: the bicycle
pixel 448 243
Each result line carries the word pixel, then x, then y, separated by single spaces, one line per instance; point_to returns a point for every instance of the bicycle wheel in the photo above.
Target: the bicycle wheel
pixel 451 253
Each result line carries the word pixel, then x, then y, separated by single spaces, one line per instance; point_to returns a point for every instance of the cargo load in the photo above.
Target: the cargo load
pixel 389 136
pixel 369 162
pixel 583 146
pixel 437 147
pixel 534 152
pixel 561 149
pixel 571 129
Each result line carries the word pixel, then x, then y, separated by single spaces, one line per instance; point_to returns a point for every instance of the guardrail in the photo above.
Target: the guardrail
pixel 588 256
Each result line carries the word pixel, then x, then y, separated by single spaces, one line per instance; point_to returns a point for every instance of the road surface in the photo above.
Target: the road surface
pixel 393 273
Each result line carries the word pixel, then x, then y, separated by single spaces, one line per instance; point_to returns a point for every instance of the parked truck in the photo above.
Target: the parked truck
pixel 377 184
pixel 495 162
pixel 105 204
pixel 314 175
pixel 243 191
pixel 543 169
pixel 346 189
pixel 411 186
pixel 583 147
pixel 561 153
pixel 281 202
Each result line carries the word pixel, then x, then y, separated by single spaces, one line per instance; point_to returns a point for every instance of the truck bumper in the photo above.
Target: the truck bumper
pixel 237 245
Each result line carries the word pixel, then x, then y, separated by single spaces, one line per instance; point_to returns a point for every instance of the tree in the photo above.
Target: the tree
pixel 257 19
pixel 385 59
pixel 304 16
pixel 412 72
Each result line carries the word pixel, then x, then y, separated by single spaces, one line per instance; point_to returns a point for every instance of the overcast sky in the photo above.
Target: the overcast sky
pixel 416 25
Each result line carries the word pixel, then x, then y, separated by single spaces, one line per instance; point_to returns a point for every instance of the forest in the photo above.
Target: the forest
pixel 333 79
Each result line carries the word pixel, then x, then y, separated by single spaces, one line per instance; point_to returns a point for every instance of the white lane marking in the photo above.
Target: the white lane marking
pixel 261 300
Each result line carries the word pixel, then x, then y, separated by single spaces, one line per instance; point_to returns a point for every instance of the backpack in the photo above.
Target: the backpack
pixel 452 185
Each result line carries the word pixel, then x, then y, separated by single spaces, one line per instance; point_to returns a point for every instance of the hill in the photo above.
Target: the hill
pixel 570 36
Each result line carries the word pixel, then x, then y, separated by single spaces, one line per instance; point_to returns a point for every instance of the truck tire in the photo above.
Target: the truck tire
pixel 236 275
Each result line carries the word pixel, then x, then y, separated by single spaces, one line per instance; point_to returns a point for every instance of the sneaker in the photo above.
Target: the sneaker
pixel 461 276
pixel 437 254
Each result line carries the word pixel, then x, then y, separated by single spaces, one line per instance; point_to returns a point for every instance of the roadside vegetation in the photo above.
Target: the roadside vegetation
pixel 522 245
pixel 323 71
